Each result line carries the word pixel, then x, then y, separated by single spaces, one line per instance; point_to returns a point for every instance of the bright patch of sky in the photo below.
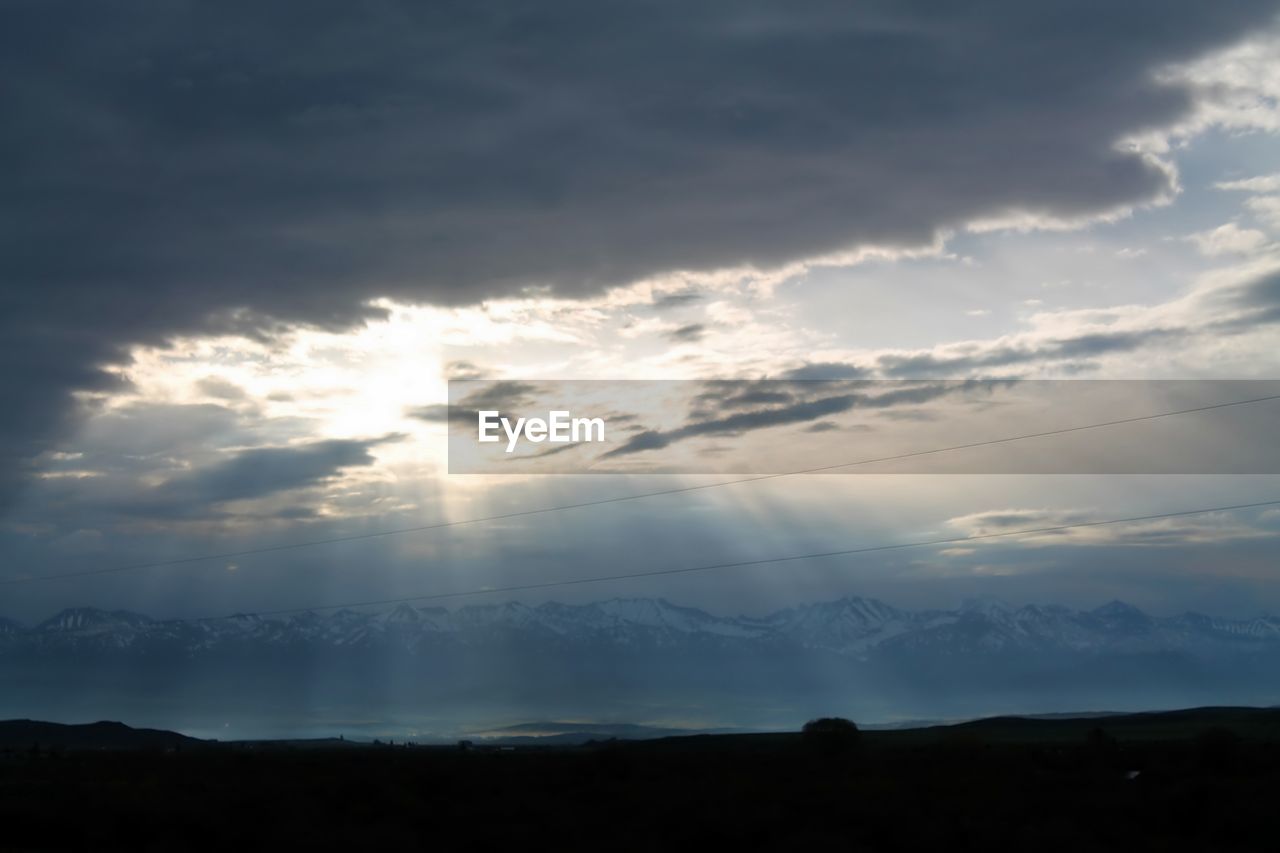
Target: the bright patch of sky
pixel 114 493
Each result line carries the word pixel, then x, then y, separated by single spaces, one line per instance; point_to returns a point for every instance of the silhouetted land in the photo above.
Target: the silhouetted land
pixel 1206 779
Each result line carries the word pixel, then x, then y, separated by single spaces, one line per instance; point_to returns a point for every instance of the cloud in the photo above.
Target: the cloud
pixel 207 167
pixel 264 471
pixel 691 333
pixel 1240 306
pixel 222 389
pixel 463 369
pixel 435 413
pixel 1235 90
pixel 826 371
pixel 676 300
pixel 1266 208
pixel 756 394
pixel 823 426
pixel 1260 184
pixel 506 396
pixel 147 438
pixel 801 411
pixel 1264 204
pixel 969 359
pixel 1228 239
pixel 146 463
pixel 209 492
pixel 1204 529
pixel 1229 301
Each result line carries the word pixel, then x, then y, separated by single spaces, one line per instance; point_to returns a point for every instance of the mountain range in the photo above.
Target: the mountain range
pixel 640 660
pixel 855 627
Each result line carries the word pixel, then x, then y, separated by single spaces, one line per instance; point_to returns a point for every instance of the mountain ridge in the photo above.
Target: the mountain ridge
pixel 849 626
pixel 437 669
pixel 104 734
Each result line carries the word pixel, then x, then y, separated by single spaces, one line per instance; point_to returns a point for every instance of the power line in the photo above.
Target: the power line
pixel 358 537
pixel 843 552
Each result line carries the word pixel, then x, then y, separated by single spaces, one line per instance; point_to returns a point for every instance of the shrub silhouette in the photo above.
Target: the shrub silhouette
pixel 831 736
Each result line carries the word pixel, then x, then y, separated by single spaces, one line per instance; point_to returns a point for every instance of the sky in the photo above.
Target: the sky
pixel 246 250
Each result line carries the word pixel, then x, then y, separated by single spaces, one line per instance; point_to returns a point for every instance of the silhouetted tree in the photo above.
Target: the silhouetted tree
pixel 831 736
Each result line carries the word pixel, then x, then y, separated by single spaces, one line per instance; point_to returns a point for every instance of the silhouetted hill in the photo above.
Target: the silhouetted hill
pixel 1262 724
pixel 24 734
pixel 1200 779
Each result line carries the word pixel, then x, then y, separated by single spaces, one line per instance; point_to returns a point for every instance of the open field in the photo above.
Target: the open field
pixel 1205 779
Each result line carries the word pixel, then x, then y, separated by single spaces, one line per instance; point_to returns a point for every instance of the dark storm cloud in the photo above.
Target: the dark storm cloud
pixel 250 475
pixel 150 461
pixel 801 412
pixel 268 470
pixel 186 166
pixel 150 437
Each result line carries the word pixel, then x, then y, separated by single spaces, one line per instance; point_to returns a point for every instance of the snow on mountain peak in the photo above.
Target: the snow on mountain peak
pixel 92 618
pixel 853 626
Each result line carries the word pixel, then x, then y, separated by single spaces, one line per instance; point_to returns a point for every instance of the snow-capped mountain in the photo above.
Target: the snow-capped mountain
pixel 640 660
pixel 854 627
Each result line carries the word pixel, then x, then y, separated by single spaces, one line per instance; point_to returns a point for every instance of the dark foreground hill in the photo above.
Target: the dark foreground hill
pixel 1197 780
pixel 104 735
